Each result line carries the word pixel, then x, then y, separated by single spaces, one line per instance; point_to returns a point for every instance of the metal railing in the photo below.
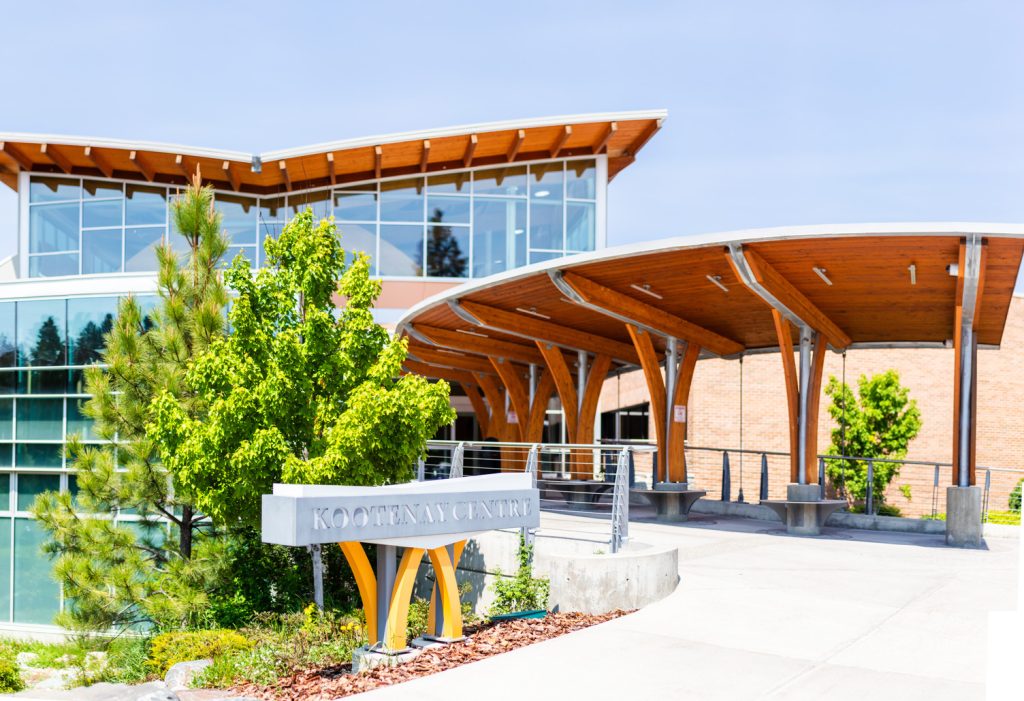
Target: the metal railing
pixel 772 472
pixel 578 480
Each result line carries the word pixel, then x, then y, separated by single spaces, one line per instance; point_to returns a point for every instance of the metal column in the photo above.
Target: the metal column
pixel 805 382
pixel 671 368
pixel 387 567
pixel 971 276
pixel 581 380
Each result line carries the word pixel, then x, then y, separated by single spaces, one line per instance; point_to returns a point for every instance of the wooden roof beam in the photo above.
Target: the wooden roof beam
pixel 517 143
pixel 629 310
pixel 140 162
pixel 643 138
pixel 538 329
pixel 57 156
pixel 283 167
pixel 330 168
pixel 608 134
pixel 378 156
pixel 559 144
pixel 425 156
pixel 17 154
pixel 439 373
pixel 479 344
pixel 232 176
pixel 780 294
pixel 467 158
pixel 100 161
pixel 449 358
pixel 180 164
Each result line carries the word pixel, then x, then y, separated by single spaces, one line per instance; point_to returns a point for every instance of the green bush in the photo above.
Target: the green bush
pixel 10 676
pixel 168 649
pixel 523 592
pixel 1015 497
pixel 126 661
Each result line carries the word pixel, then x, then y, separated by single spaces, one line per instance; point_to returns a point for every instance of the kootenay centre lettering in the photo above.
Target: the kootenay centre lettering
pixel 423 513
pixel 308 514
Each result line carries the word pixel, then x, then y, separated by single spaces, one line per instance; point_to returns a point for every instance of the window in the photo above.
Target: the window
pixel 467 223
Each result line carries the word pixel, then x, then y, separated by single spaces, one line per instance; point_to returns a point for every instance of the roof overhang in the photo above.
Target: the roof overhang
pixel 619 135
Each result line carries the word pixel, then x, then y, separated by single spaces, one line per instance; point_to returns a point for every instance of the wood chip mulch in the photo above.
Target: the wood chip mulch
pixel 481 641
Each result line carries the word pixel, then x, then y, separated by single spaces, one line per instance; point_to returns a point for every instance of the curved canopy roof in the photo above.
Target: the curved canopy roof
pixel 859 285
pixel 620 135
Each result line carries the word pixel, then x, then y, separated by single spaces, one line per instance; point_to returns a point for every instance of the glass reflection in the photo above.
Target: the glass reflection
pixel 358 238
pixel 140 248
pixel 53 266
pixel 402 200
pixel 401 250
pixel 40 419
pixel 451 210
pixel 238 218
pixel 355 206
pixel 145 204
pixel 7 342
pixel 499 235
pixel 545 225
pixel 447 249
pixel 450 182
pixel 579 226
pixel 93 189
pixel 319 202
pixel 501 181
pixel 101 251
pixel 41 332
pixel 580 180
pixel 89 320
pixel 547 181
pixel 101 213
pixel 52 189
pixel 53 227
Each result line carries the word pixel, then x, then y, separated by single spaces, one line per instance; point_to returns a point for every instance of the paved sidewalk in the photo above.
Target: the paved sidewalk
pixel 762 615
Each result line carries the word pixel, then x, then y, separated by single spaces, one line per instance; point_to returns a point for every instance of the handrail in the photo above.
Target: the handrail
pixel 544 446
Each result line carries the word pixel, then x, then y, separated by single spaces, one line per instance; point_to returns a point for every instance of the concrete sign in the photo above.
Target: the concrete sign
pixel 306 514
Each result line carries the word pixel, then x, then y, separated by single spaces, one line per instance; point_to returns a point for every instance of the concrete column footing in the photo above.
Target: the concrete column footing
pixel 963 517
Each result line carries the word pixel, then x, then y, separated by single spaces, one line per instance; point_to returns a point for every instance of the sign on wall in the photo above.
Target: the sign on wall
pixel 679 414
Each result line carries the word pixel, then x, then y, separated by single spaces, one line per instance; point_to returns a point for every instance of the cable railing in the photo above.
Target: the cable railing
pixel 573 479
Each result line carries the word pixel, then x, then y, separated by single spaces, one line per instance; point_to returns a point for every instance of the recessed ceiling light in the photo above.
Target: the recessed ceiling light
pixel 821 273
pixel 533 312
pixel 913 273
pixel 717 281
pixel 520 231
pixel 646 289
pixel 542 193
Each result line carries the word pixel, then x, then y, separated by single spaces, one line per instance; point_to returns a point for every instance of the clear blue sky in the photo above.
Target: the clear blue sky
pixel 781 112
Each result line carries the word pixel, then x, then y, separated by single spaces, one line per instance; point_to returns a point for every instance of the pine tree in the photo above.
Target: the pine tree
pixel 154 567
pixel 444 255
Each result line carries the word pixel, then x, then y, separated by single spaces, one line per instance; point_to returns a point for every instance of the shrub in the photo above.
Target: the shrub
pixel 126 661
pixel 523 592
pixel 1015 497
pixel 10 676
pixel 168 649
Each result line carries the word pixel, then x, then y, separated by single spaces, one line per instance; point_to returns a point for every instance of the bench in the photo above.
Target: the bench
pixel 672 501
pixel 579 495
pixel 804 512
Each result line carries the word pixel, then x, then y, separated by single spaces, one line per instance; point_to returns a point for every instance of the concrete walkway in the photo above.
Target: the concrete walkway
pixel 762 615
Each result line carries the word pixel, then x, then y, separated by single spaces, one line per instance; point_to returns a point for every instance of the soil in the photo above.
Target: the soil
pixel 323 684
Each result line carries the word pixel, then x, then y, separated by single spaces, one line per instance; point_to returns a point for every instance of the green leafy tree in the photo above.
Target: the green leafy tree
pixel 301 391
pixel 880 423
pixel 153 567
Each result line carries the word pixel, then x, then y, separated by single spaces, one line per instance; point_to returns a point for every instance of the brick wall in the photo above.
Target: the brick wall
pixel 714 411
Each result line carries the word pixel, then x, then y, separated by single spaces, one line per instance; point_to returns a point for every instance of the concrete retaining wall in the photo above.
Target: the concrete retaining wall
pixel 585 576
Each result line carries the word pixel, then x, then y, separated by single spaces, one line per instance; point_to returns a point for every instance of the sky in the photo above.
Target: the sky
pixel 786 112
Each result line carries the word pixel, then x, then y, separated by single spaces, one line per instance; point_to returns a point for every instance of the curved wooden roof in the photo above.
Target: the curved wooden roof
pixel 619 135
pixel 852 283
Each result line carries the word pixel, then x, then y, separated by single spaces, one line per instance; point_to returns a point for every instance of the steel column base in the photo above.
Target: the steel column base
pixel 963 517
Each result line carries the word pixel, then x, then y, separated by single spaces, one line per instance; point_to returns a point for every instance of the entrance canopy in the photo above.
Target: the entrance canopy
pixel 515 336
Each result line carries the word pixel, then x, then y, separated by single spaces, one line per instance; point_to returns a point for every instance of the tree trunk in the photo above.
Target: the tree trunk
pixel 185 533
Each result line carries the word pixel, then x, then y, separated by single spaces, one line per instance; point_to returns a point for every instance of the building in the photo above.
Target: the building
pixel 435 210
pixel 432 208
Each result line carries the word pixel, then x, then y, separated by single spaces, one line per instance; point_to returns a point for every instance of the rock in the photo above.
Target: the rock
pixel 27 659
pixel 180 676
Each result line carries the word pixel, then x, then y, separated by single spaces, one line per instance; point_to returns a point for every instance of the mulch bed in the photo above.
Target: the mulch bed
pixel 481 641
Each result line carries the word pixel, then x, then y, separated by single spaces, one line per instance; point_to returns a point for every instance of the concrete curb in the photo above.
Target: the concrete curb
pixel 839 519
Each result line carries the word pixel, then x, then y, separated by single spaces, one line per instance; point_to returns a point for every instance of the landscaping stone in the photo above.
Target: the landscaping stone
pixel 180 676
pixel 158 695
pixel 27 659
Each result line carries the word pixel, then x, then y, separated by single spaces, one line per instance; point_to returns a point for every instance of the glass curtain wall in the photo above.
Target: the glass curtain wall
pixel 45 346
pixel 462 224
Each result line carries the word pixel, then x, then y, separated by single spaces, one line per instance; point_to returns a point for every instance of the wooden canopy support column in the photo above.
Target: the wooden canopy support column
pixel 562 378
pixel 539 406
pixel 476 400
pixel 655 389
pixel 969 285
